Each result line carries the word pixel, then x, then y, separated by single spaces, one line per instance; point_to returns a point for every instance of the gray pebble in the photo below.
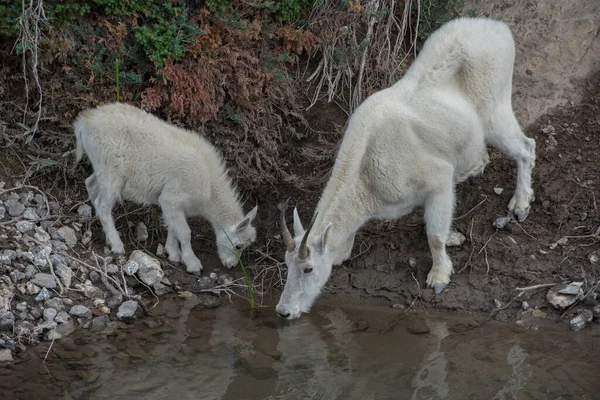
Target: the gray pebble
pixel 32 289
pixel 127 309
pixel 94 277
pixel 43 295
pixel 80 311
pixel 501 222
pixel 49 314
pixel 41 235
pixel 85 212
pixel 67 234
pixel 25 226
pixel 44 280
pixel 14 207
pixel 141 232
pixel 31 214
pixel 62 317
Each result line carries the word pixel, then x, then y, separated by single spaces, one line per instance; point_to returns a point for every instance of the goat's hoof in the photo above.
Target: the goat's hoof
pixel 119 251
pixel 520 213
pixel 197 273
pixel 438 287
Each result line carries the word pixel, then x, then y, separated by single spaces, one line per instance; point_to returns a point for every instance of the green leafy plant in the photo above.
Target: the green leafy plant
pixel 435 14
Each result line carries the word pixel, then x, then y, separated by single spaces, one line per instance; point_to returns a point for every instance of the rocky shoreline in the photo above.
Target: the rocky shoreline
pixel 51 281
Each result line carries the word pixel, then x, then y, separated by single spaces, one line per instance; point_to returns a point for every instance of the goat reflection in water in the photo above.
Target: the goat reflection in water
pixel 223 354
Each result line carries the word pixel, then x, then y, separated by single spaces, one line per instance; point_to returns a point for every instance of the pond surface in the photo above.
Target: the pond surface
pixel 337 352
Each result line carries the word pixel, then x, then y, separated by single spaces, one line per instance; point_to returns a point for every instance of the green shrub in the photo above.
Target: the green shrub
pixel 435 13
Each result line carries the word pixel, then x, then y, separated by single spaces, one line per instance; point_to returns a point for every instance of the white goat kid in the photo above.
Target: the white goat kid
pixel 408 146
pixel 139 157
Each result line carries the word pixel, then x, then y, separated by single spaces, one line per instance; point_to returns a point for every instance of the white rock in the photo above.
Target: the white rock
pixel 6 355
pixel 67 234
pixel 149 270
pixel 131 267
pixel 498 191
pixel 160 250
pixel 49 314
pixel 563 295
pixel 455 238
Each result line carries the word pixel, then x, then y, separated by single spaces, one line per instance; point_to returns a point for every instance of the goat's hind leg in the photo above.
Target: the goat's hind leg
pixel 439 207
pixel 506 135
pixel 91 184
pixel 103 203
pixel 172 247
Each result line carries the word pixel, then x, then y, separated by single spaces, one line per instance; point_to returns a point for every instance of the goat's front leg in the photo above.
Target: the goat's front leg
pixel 181 232
pixel 439 207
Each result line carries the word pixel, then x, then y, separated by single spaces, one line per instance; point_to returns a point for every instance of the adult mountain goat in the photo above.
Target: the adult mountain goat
pixel 408 146
pixel 137 156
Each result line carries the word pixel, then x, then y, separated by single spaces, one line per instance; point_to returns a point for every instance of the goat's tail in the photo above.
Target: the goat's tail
pixel 78 126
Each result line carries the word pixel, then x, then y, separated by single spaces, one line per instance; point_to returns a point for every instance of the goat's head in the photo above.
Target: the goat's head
pixel 308 263
pixel 232 240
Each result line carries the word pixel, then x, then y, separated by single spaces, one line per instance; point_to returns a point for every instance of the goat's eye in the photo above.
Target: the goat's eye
pixel 239 247
pixel 307 270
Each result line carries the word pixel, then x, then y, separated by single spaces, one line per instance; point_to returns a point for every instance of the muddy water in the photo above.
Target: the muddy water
pixel 337 352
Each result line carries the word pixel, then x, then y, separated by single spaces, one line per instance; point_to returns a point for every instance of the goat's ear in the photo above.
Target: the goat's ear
pixel 298 229
pixel 321 241
pixel 247 219
pixel 252 214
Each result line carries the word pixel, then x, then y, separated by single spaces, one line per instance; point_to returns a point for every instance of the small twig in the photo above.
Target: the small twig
pixel 472 249
pixel 527 233
pixel 484 249
pixel 150 289
pixel 49 348
pixel 534 287
pixel 472 209
pixel 418 296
